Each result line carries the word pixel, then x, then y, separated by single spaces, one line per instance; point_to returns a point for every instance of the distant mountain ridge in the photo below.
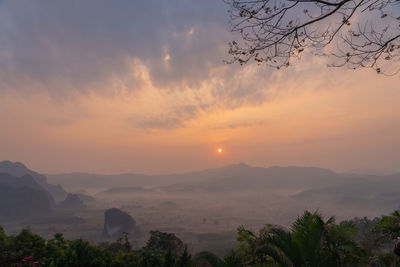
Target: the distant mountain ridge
pixel 306 186
pixel 311 185
pixel 380 191
pixel 77 181
pixel 18 169
pixel 131 189
pixel 242 177
pixel 232 177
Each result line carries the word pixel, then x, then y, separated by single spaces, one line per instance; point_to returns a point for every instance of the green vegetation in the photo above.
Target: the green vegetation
pixel 310 241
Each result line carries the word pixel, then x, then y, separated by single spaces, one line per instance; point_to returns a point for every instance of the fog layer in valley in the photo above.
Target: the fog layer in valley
pixel 204 208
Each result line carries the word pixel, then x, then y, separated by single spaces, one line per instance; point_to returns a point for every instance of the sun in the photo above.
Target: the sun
pixel 220 150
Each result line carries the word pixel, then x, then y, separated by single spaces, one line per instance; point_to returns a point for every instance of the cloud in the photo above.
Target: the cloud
pixel 169 119
pixel 83 45
pixel 74 47
pixel 136 49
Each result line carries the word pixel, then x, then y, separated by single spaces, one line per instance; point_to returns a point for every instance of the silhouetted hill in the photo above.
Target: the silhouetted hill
pixel 85 198
pixel 22 203
pixel 317 184
pixel 72 202
pixel 226 178
pixel 116 222
pixel 22 197
pixel 241 177
pixel 130 189
pixel 77 181
pixel 25 181
pixel 373 191
pixel 18 169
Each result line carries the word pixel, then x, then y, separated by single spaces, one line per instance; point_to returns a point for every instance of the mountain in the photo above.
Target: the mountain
pixel 77 181
pixel 116 222
pixel 232 177
pixel 242 177
pixel 130 189
pixel 18 169
pixel 25 181
pixel 22 197
pixel 372 191
pixel 72 202
pixel 85 198
pixel 312 184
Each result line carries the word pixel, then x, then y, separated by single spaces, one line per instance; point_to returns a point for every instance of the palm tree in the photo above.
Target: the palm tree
pixel 389 226
pixel 309 242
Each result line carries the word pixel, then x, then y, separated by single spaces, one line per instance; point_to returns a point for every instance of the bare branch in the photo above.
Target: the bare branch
pixel 356 33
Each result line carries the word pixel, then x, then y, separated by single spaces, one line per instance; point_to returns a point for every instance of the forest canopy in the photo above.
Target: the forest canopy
pixel 312 240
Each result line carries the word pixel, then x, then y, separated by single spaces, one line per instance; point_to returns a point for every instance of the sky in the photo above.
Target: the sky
pixel 141 86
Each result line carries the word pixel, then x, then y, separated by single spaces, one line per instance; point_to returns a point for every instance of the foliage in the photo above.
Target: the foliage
pixel 310 241
pixel 366 236
pixel 206 258
pixel 233 259
pixel 165 242
pixel 389 226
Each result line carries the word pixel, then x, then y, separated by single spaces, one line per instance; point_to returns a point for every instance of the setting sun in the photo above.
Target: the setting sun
pixel 117 128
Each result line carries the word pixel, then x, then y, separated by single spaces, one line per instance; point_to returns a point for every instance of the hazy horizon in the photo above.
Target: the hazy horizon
pixel 377 172
pixel 199 133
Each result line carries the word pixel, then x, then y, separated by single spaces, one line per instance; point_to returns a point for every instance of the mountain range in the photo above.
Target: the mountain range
pixel 306 184
pixel 18 169
pixel 303 184
pixel 228 178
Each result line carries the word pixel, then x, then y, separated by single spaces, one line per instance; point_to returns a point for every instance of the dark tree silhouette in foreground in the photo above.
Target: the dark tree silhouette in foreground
pixel 353 33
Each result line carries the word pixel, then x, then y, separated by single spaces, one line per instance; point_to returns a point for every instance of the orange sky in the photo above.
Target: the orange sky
pixel 109 105
pixel 351 123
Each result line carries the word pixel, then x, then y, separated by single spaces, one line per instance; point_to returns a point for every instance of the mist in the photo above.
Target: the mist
pixel 126 126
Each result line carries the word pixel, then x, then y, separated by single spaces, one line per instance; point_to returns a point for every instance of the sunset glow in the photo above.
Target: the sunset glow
pixel 201 130
pixel 160 104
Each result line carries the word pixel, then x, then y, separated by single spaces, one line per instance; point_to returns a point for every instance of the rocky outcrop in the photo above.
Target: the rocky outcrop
pixel 117 222
pixel 72 202
pixel 86 198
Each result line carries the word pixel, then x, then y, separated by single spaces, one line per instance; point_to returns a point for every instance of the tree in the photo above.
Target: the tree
pixel 233 259
pixel 169 259
pixel 311 241
pixel 165 241
pixel 369 238
pixel 249 247
pixel 55 250
pixel 355 33
pixel 209 259
pixel 4 247
pixel 341 246
pixel 27 244
pixel 185 260
pixel 389 226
